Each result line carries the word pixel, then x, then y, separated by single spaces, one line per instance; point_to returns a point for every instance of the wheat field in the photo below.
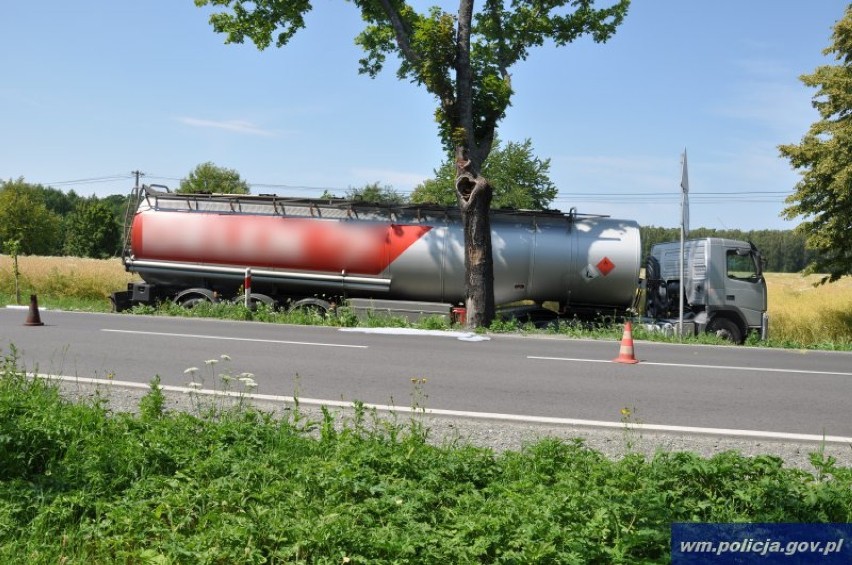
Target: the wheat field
pixel 63 277
pixel 799 312
pixel 804 313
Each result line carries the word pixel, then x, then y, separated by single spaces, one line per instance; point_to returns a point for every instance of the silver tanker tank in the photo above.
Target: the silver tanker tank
pixel 300 247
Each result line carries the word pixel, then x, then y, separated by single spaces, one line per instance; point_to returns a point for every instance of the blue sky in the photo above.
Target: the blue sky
pixel 93 90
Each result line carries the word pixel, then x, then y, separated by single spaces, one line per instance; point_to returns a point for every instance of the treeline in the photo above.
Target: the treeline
pixel 41 220
pixel 785 251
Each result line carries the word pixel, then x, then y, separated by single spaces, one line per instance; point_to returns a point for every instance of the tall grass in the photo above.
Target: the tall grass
pixel 64 282
pixel 811 315
pixel 80 484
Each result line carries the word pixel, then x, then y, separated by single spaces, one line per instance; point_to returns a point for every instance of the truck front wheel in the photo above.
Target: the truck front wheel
pixel 726 329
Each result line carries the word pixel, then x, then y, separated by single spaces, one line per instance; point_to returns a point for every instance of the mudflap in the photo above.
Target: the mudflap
pixel 121 300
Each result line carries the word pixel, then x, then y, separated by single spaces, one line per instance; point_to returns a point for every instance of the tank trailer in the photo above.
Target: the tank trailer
pixel 409 259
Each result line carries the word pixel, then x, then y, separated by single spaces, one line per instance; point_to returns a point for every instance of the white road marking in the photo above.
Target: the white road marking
pixel 227 338
pixel 754 434
pixel 461 336
pixel 727 367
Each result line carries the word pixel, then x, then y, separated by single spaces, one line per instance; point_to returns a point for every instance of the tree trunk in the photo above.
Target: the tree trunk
pixel 473 191
pixel 474 194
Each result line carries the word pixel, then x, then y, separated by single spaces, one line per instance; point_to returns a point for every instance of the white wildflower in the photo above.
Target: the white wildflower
pixel 190 370
pixel 211 361
pixel 248 382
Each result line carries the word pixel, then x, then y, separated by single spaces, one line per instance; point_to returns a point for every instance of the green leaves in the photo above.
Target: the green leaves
pixel 373 193
pixel 426 45
pixel 47 221
pixel 209 178
pixel 25 218
pixel 823 196
pixel 520 179
pixel 262 21
pixel 92 231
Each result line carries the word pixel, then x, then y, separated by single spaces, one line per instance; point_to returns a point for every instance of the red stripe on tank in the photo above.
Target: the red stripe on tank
pixel 275 242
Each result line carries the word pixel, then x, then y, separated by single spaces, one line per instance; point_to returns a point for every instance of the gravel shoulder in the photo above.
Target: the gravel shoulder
pixel 499 435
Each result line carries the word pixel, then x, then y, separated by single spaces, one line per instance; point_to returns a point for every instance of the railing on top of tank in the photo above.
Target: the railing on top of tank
pixel 332 208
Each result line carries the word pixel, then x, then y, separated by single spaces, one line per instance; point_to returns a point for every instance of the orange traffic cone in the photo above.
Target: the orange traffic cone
pixel 33 319
pixel 625 354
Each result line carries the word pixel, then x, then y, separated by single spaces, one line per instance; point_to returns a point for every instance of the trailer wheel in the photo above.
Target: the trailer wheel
pixel 195 296
pixel 190 303
pixel 311 305
pixel 726 329
pixel 256 299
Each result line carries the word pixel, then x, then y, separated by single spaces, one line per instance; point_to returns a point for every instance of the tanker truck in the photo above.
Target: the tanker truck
pixel 316 253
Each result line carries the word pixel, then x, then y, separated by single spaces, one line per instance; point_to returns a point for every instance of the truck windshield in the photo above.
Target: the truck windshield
pixel 742 266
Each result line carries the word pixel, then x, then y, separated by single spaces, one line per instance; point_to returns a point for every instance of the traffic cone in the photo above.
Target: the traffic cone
pixel 625 354
pixel 33 319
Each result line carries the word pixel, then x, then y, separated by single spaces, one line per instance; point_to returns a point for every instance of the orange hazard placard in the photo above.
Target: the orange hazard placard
pixel 605 266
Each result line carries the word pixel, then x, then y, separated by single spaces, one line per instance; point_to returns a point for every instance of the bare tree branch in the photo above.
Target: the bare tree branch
pixel 403 34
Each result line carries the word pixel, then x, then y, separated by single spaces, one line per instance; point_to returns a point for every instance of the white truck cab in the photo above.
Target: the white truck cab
pixel 724 288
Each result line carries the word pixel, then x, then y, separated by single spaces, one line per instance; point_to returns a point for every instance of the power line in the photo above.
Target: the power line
pixel 90 180
pixel 653 197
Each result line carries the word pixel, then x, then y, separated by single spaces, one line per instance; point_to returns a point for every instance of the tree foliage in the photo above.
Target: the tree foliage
pixel 59 202
pixel 118 203
pixel 208 178
pixel 374 193
pixel 463 59
pixel 520 179
pixel 824 157
pixel 91 230
pixel 48 221
pixel 24 217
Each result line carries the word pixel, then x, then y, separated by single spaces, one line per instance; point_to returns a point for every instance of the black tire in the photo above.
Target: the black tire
pixel 652 269
pixel 653 307
pixel 192 302
pixel 256 299
pixel 195 296
pixel 726 329
pixel 317 305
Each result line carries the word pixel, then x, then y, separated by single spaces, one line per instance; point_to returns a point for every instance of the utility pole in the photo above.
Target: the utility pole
pixel 137 174
pixel 682 288
pixel 132 202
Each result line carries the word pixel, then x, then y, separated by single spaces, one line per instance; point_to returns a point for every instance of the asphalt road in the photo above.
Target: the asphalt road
pixel 730 388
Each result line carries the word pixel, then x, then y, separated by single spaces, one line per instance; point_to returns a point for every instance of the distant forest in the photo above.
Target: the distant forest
pixel 784 250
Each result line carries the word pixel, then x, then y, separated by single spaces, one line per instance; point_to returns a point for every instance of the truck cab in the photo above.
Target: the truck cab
pixel 723 288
